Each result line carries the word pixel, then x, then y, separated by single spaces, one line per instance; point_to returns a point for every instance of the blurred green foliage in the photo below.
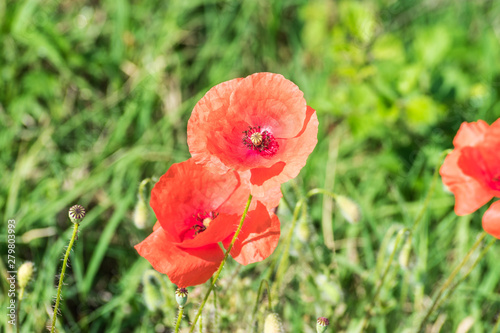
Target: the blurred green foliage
pixel 95 96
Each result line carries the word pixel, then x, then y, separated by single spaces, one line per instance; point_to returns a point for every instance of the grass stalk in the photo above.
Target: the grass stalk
pixel 449 280
pixel 286 249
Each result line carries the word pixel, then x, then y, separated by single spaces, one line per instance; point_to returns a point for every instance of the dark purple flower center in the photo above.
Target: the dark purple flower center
pixel 261 141
pixel 202 221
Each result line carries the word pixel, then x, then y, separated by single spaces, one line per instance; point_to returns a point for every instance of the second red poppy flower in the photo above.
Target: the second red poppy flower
pixel 259 126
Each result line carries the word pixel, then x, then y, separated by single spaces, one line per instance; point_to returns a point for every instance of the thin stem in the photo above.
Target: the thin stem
pixel 21 294
pixel 142 185
pixel 429 194
pixel 416 223
pixel 321 191
pixel 286 201
pixel 462 279
pixel 61 278
pixel 284 258
pixel 497 325
pixel 216 276
pixel 369 311
pixel 179 318
pixel 215 311
pixel 269 304
pixel 450 280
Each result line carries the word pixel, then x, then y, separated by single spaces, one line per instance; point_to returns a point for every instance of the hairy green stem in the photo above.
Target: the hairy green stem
pixel 286 201
pixel 216 276
pixel 61 278
pixel 216 327
pixel 448 281
pixel 259 293
pixel 179 318
pixel 21 294
pixel 142 185
pixel 321 191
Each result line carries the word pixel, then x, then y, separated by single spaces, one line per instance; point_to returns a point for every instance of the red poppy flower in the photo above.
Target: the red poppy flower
pixel 491 220
pixel 196 210
pixel 472 171
pixel 259 126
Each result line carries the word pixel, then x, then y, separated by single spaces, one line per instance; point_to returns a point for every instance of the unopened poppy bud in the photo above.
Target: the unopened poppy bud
pixel 140 214
pixel 76 214
pixel 348 208
pixel 322 324
pixel 273 324
pixel 303 232
pixel 404 255
pixel 181 296
pixel 25 273
pixel 152 296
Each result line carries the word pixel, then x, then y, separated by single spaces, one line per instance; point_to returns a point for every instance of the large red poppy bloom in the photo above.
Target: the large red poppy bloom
pixel 259 126
pixel 196 210
pixel 472 171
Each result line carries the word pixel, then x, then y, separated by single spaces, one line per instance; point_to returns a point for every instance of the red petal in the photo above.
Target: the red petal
pixel 294 152
pixel 482 163
pixel 156 226
pixel 260 175
pixel 187 189
pixel 258 238
pixel 491 220
pixel 269 100
pixel 218 230
pixel 184 267
pixel 271 198
pixel 212 108
pixel 469 134
pixel 469 193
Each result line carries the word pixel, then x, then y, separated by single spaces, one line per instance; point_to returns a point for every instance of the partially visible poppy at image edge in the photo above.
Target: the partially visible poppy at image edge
pixel 472 171
pixel 259 126
pixel 196 210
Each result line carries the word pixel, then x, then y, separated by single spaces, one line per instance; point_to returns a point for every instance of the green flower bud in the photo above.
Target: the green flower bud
pixel 181 296
pixel 322 324
pixel 348 208
pixel 25 273
pixel 76 213
pixel 152 293
pixel 273 324
pixel 404 255
pixel 141 214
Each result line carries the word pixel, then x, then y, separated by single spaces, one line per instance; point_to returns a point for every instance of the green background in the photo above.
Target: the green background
pixel 95 97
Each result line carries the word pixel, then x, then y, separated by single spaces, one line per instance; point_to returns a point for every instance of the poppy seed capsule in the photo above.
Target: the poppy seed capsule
pixel 25 273
pixel 256 138
pixel 181 296
pixel 76 213
pixel 322 324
